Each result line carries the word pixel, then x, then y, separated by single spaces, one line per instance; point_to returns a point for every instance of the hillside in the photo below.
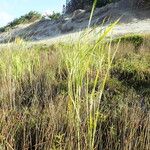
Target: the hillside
pixel 131 21
pixel 64 86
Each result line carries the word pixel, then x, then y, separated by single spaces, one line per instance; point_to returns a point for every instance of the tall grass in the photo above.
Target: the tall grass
pixel 71 96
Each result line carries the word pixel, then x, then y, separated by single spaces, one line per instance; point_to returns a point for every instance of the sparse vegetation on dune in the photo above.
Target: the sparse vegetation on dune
pixel 54 16
pixel 75 96
pixel 27 18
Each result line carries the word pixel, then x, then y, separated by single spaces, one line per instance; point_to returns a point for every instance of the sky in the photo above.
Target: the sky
pixel 11 9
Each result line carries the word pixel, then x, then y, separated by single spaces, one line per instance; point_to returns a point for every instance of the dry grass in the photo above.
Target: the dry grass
pixel 64 97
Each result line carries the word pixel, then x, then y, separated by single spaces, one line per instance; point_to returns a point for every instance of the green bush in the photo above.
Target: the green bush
pixel 54 16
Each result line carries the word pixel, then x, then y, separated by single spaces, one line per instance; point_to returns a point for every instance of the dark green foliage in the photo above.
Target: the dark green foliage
pixel 82 4
pixel 2 29
pixel 101 3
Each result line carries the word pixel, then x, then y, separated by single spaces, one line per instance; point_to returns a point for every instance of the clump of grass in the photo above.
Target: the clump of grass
pixel 54 16
pixel 136 40
pixel 133 69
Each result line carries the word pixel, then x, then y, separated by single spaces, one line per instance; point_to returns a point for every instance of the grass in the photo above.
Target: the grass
pixel 136 40
pixel 75 96
pixel 54 16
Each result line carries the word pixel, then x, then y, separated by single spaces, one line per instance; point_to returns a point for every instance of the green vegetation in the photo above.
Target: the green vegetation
pixel 101 3
pixel 73 5
pixel 134 68
pixel 136 40
pixel 54 16
pixel 27 18
pixel 75 96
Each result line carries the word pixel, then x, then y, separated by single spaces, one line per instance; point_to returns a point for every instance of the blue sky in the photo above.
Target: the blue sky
pixel 10 9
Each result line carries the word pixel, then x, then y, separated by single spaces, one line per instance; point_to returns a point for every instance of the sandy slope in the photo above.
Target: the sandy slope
pixel 137 27
pixel 70 27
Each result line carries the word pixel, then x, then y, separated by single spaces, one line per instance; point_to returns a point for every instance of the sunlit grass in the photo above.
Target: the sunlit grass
pixel 74 96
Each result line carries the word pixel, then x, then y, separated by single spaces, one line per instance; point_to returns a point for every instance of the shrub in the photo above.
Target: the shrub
pixel 54 16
